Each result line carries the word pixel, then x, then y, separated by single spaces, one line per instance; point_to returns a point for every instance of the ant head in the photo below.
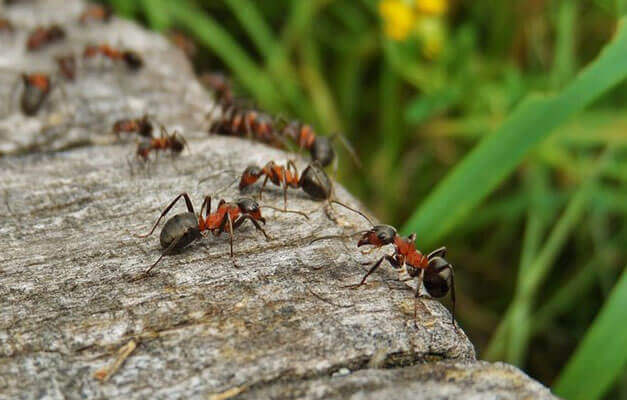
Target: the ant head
pixel 315 182
pixel 132 60
pixel 378 236
pixel 322 151
pixel 250 176
pixel 438 278
pixel 178 143
pixel 56 32
pixel 250 207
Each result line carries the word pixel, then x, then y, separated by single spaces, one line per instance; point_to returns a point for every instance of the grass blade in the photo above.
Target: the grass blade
pixel 497 155
pixel 211 34
pixel 602 355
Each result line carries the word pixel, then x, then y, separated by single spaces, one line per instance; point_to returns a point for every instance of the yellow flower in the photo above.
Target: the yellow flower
pixel 432 32
pixel 398 17
pixel 432 7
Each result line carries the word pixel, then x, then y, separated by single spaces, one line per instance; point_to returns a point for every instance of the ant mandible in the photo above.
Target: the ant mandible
pixel 174 142
pixel 43 36
pixel 142 126
pixel 433 269
pixel 132 60
pixel 183 229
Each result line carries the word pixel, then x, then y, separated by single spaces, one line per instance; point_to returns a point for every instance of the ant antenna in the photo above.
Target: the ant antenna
pixel 226 187
pixel 332 194
pixel 219 172
pixel 286 211
pixel 353 210
pixel 338 236
pixel 349 148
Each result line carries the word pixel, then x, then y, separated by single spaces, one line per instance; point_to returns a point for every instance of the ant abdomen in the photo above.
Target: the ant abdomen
pixel 316 183
pixel 182 228
pixel 437 278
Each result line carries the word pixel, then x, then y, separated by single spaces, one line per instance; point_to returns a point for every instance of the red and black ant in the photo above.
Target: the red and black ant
pixel 97 13
pixel 37 87
pixel 433 269
pixel 319 147
pixel 183 229
pixel 314 181
pixel 6 26
pixel 141 126
pixel 43 36
pixel 132 59
pixel 174 142
pixel 67 66
pixel 220 85
pixel 239 121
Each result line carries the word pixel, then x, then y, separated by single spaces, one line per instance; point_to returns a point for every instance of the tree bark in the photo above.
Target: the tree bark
pixel 77 323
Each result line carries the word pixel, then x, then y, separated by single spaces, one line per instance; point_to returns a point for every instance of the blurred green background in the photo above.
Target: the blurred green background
pixel 496 128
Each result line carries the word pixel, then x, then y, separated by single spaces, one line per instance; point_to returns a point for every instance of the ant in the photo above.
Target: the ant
pixel 37 87
pixel 319 147
pixel 43 36
pixel 6 26
pixel 238 121
pixel 220 85
pixel 183 229
pixel 142 126
pixel 67 66
pixel 174 142
pixel 96 12
pixel 433 269
pixel 132 59
pixel 314 181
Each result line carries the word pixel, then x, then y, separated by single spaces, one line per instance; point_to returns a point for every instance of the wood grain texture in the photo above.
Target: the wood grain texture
pixel 280 324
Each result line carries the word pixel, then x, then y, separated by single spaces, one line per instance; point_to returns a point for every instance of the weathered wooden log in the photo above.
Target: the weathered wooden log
pixel 75 321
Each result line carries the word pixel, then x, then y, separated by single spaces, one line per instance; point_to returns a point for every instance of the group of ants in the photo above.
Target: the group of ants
pixel 432 271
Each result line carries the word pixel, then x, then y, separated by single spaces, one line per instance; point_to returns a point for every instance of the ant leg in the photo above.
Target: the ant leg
pixel 349 148
pixel 376 265
pixel 249 132
pixel 416 296
pixel 284 191
pixel 165 252
pixel 230 232
pixel 243 218
pixel 286 211
pixel 190 208
pixel 223 228
pixel 262 187
pixel 206 202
